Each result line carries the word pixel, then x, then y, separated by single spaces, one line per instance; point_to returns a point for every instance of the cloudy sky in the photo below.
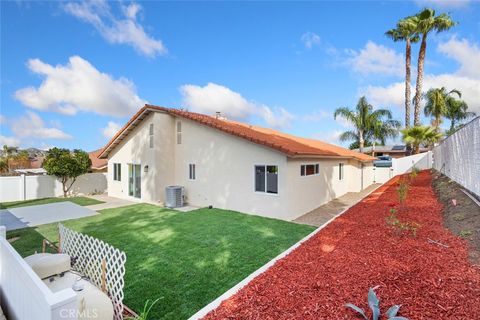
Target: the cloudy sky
pixel 73 73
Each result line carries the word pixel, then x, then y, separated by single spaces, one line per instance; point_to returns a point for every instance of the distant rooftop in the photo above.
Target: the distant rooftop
pixel 399 148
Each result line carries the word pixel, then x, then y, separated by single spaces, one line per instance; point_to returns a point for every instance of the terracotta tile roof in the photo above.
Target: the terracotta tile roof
pixel 290 145
pixel 97 163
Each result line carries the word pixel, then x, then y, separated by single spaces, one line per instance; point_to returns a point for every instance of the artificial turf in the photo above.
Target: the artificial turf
pixel 185 259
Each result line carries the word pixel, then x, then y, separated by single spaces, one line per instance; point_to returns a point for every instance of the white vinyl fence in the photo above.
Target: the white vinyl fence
pixel 23 187
pixel 458 156
pixel 403 165
pixel 24 296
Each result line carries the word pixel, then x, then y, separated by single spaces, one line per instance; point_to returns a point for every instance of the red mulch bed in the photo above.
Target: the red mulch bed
pixel 358 251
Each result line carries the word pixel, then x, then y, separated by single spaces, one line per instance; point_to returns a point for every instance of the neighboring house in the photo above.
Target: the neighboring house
pixel 98 165
pixel 229 165
pixel 396 151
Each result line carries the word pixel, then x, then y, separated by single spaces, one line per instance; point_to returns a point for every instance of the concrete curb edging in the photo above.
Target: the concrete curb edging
pixel 215 303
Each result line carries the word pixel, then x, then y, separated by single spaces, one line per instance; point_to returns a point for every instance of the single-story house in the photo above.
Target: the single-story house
pixel 229 164
pixel 396 151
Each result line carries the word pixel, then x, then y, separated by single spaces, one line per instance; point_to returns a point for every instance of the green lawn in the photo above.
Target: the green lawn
pixel 82 201
pixel 187 259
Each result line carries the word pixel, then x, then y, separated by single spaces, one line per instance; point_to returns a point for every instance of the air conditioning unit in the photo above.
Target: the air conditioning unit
pixel 174 196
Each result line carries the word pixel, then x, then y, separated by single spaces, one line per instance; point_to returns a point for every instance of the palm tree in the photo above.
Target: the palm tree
pixel 436 105
pixel 456 112
pixel 426 21
pixel 420 135
pixel 406 31
pixel 369 125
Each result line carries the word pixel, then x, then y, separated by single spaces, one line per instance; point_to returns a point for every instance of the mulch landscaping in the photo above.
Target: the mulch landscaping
pixel 429 273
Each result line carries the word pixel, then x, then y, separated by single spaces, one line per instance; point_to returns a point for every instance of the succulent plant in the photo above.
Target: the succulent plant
pixel 374 304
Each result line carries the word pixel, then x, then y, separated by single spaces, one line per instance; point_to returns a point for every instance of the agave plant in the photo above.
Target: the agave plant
pixel 374 305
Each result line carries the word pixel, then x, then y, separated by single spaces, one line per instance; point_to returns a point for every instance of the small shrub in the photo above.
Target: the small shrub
pixel 374 304
pixel 465 233
pixel 401 227
pixel 145 312
pixel 414 173
pixel 402 192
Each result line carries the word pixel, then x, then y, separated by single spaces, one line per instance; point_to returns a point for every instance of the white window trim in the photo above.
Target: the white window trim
pixel 113 172
pixel 278 180
pixel 341 169
pixel 309 175
pixel 195 171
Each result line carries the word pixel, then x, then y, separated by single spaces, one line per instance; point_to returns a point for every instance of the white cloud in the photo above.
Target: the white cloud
pixel 111 129
pixel 9 141
pixel 316 116
pixel 443 4
pixel 310 39
pixel 466 78
pixel 79 86
pixel 332 136
pixel 32 126
pixel 376 59
pixel 117 30
pixel 277 118
pixel 214 97
pixel 465 53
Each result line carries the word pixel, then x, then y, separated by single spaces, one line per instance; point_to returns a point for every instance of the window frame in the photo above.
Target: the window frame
pixel 150 135
pixel 178 128
pixel 192 171
pixel 303 169
pixel 341 171
pixel 265 192
pixel 117 172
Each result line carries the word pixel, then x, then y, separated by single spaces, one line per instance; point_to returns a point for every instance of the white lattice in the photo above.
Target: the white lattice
pixel 89 253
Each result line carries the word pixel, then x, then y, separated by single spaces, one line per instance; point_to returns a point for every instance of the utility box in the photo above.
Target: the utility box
pixel 174 196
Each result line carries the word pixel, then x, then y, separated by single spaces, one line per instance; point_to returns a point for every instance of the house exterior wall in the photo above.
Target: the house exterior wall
pixel 225 176
pixel 307 193
pixel 225 170
pixel 135 149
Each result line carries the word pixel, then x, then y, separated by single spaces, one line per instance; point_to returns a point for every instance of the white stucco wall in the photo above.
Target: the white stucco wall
pixel 135 149
pixel 225 172
pixel 307 193
pixel 225 176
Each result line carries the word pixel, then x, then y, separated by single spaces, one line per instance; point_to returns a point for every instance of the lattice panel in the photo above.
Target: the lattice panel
pixel 90 252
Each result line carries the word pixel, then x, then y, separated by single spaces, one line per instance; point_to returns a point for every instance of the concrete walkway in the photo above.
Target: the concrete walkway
pixel 329 210
pixel 109 202
pixel 22 217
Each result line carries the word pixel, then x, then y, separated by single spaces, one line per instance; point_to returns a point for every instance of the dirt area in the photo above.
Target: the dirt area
pixel 461 217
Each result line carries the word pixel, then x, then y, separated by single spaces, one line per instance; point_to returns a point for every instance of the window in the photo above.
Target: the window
pixel 191 171
pixel 340 171
pixel 266 179
pixel 151 135
pixel 117 172
pixel 309 169
pixel 179 132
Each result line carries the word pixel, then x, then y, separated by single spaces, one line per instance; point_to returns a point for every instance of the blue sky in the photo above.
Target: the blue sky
pixel 73 73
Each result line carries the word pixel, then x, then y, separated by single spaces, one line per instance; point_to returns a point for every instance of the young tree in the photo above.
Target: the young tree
pixel 457 111
pixel 369 125
pixel 406 31
pixel 436 104
pixel 66 165
pixel 426 21
pixel 420 135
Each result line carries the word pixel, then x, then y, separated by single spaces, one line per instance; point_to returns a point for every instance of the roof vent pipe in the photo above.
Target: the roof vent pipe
pixel 217 115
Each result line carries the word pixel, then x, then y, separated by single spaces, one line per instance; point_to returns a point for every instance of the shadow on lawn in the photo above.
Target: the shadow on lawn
pixel 187 259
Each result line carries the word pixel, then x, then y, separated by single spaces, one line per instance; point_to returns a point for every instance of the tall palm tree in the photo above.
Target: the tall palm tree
pixel 456 112
pixel 425 22
pixel 420 135
pixel 436 105
pixel 369 125
pixel 406 31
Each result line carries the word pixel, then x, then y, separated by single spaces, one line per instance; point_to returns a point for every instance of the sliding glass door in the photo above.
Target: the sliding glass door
pixel 134 180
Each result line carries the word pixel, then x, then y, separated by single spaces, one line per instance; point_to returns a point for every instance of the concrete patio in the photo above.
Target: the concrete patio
pixel 329 210
pixel 108 202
